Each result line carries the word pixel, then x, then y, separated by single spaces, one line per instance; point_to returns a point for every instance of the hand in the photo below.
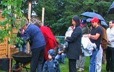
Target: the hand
pixel 89 35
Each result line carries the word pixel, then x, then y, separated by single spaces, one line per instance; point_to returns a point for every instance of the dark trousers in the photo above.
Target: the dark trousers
pixel 112 60
pixel 72 65
pixel 37 59
pixel 108 58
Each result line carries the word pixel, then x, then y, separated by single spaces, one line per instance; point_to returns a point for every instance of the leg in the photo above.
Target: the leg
pixel 99 60
pixel 72 65
pixel 63 58
pixel 35 58
pixel 41 61
pixel 108 57
pixel 112 60
pixel 93 61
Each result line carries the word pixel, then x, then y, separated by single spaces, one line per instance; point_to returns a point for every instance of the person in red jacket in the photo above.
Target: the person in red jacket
pixel 51 42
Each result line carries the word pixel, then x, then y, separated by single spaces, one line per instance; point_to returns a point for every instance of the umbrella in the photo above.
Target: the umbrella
pixel 111 9
pixel 92 14
pixel 103 23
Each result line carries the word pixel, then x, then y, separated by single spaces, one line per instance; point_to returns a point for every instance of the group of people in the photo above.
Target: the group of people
pixel 43 46
pixel 101 44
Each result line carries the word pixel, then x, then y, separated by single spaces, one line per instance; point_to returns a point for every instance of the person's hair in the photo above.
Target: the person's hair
pixel 36 21
pixel 112 21
pixel 77 20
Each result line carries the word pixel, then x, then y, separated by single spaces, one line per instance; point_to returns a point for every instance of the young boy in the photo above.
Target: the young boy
pixel 51 65
pixel 61 54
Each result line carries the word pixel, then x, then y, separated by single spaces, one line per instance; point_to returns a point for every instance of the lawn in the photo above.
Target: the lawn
pixel 64 67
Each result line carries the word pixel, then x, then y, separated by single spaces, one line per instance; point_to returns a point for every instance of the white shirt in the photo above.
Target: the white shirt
pixel 110 36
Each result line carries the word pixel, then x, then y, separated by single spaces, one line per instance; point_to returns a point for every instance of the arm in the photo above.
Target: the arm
pixel 98 33
pixel 95 37
pixel 74 35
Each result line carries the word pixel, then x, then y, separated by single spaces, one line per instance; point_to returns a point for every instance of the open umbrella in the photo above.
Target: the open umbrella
pixel 111 9
pixel 92 14
pixel 103 23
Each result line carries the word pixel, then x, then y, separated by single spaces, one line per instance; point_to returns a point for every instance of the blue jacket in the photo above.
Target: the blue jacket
pixel 34 35
pixel 51 66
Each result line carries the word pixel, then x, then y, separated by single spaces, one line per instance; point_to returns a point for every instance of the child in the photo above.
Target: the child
pixel 51 65
pixel 60 54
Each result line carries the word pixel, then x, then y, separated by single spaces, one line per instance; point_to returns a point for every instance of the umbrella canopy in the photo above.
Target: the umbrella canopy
pixel 92 14
pixel 103 23
pixel 111 9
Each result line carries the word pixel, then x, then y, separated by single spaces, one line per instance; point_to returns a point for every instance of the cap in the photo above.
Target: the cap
pixel 95 19
pixel 52 52
pixel 83 21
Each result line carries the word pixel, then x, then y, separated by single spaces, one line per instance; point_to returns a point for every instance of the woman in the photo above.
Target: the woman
pixel 74 44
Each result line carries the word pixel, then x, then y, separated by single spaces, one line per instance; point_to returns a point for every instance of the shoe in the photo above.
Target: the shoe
pixel 80 69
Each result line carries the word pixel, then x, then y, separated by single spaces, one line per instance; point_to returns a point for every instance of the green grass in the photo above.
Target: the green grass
pixel 64 67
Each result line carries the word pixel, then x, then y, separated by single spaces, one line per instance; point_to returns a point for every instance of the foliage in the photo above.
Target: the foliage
pixel 58 13
pixel 13 17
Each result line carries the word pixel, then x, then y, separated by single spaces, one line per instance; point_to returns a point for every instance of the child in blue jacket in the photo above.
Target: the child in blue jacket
pixel 51 65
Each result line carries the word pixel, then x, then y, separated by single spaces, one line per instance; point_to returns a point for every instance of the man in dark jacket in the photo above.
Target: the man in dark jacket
pixel 74 44
pixel 34 35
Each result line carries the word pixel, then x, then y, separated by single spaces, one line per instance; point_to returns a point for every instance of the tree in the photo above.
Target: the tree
pixel 13 17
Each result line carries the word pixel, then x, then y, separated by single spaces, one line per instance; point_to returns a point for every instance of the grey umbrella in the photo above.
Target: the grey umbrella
pixel 111 9
pixel 92 14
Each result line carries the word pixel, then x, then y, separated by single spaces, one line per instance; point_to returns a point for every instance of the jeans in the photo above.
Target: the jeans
pixel 93 61
pixel 99 60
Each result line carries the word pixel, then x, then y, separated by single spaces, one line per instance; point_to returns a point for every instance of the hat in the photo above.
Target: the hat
pixel 95 19
pixel 52 52
pixel 83 21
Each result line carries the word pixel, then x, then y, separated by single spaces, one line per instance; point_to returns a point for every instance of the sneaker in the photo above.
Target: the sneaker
pixel 80 69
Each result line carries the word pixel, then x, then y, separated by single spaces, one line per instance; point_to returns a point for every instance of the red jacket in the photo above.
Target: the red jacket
pixel 51 41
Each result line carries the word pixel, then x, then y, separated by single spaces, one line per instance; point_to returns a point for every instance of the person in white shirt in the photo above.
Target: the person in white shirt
pixel 110 49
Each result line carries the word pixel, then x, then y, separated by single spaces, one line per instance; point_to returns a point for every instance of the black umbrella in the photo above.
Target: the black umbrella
pixel 92 14
pixel 111 9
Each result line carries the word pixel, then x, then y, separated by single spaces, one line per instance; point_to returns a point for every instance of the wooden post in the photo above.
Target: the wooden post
pixel 43 12
pixel 29 11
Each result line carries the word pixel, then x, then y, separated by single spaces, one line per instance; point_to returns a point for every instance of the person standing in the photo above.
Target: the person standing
pixel 34 35
pixel 74 44
pixel 85 30
pixel 51 42
pixel 110 49
pixel 95 37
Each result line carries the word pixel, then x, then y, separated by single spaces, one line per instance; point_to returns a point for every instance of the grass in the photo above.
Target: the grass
pixel 64 67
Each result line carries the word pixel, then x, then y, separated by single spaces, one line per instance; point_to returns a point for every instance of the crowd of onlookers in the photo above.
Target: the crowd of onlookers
pixel 80 40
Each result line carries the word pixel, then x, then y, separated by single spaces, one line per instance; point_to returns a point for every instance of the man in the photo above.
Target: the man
pixel 51 42
pixel 110 49
pixel 34 35
pixel 95 37
pixel 85 30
